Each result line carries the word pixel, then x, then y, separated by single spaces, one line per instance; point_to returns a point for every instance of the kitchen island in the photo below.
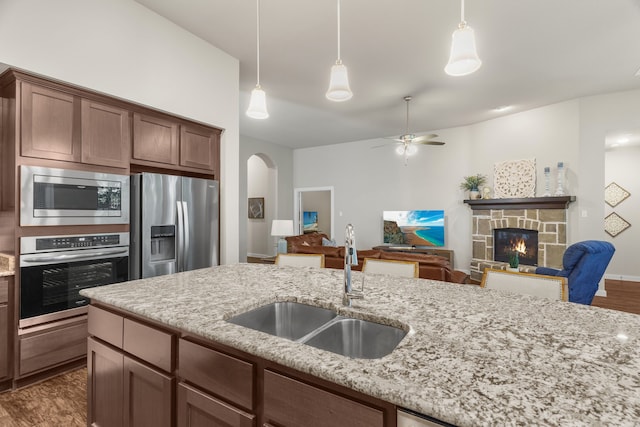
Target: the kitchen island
pixel 472 356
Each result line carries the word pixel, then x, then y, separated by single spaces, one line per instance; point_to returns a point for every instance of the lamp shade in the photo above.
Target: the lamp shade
pixel 282 227
pixel 463 59
pixel 258 104
pixel 339 84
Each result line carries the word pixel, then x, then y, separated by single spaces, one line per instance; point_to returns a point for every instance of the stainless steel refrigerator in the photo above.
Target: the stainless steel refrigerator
pixel 174 224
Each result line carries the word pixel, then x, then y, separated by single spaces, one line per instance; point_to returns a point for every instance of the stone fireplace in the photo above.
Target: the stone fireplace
pixel 524 242
pixel 547 216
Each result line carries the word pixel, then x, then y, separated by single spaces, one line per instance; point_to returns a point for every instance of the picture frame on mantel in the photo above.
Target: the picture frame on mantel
pixel 256 208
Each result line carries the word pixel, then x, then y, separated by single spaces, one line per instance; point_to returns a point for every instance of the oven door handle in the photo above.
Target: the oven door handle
pixel 93 255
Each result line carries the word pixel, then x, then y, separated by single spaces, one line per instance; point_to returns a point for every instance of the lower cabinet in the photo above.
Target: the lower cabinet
pixel 198 409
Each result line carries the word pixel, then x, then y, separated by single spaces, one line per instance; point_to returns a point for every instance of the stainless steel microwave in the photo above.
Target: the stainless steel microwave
pixel 51 196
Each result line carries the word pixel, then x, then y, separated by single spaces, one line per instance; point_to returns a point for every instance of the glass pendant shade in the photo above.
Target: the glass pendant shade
pixel 411 150
pixel 400 149
pixel 258 104
pixel 464 58
pixel 339 83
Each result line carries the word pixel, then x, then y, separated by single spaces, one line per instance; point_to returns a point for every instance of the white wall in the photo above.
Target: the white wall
pixel 368 180
pixel 123 49
pixel 280 199
pixel 621 167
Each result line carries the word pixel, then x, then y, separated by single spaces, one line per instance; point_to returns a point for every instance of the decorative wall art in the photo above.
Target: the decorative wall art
pixel 514 179
pixel 614 224
pixel 256 207
pixel 614 194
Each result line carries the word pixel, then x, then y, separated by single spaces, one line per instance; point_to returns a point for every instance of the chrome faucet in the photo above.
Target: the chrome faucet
pixel 349 253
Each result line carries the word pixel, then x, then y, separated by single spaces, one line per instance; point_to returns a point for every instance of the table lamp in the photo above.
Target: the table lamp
pixel 282 228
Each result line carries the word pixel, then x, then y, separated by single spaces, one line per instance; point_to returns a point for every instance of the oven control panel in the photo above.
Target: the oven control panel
pixel 40 244
pixel 67 242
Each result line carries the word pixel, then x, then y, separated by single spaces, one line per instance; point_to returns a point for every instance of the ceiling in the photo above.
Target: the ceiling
pixel 534 53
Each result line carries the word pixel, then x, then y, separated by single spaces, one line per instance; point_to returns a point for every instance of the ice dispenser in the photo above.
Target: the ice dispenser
pixel 163 243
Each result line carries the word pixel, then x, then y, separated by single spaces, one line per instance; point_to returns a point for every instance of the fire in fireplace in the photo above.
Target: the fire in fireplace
pixel 510 240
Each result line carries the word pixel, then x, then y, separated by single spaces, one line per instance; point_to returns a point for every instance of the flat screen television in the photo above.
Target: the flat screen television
pixel 310 221
pixel 414 228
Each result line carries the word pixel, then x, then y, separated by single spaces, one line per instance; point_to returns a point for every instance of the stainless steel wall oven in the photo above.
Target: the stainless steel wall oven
pixel 50 196
pixel 54 269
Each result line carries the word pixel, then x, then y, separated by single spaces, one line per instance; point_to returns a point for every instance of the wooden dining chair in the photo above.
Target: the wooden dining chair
pixel 300 260
pixel 538 285
pixel 391 267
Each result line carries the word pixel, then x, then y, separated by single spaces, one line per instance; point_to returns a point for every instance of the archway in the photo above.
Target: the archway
pixel 261 205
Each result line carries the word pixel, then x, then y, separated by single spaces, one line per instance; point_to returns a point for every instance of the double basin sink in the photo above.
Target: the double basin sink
pixel 323 328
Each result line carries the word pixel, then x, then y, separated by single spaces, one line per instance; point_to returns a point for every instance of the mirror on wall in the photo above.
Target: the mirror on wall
pixel 314 210
pixel 622 199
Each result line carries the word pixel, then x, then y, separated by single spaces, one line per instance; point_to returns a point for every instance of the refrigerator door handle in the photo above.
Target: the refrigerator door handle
pixel 180 236
pixel 187 244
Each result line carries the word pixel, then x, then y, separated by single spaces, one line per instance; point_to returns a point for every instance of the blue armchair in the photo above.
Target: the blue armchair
pixel 584 265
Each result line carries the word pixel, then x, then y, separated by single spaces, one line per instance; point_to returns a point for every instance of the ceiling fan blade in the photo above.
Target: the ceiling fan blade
pixel 393 138
pixel 428 142
pixel 423 138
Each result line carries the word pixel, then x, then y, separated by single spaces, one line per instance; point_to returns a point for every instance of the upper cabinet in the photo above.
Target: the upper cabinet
pixel 162 142
pixel 105 135
pixel 49 124
pixel 60 126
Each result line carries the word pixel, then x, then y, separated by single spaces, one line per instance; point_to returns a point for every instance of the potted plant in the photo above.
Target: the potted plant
pixel 472 184
pixel 514 261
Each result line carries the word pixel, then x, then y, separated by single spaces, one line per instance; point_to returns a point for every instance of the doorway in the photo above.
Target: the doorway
pixel 261 189
pixel 315 204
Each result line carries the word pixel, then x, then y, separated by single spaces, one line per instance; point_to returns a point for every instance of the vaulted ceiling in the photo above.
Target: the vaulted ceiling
pixel 534 53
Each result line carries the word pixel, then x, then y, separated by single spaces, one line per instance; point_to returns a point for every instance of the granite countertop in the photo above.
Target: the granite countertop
pixel 7 265
pixel 473 356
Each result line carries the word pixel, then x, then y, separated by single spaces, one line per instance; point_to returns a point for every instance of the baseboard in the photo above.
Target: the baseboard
pixel 622 277
pixel 601 293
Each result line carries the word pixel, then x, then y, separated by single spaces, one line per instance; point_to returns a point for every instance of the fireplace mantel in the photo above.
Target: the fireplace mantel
pixel 524 203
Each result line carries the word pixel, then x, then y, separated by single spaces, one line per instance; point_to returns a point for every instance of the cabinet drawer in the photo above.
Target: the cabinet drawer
pixel 149 344
pixel 53 347
pixel 288 402
pixel 217 373
pixel 4 291
pixel 197 409
pixel 106 326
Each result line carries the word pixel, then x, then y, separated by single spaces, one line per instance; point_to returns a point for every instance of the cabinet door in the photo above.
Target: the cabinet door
pixel 48 121
pixel 291 403
pixel 4 343
pixel 106 136
pixel 197 409
pixel 154 140
pixel 148 396
pixel 104 388
pixel 199 148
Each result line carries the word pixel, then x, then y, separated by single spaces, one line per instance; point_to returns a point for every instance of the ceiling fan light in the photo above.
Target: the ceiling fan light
pixel 258 104
pixel 463 59
pixel 411 150
pixel 400 150
pixel 339 90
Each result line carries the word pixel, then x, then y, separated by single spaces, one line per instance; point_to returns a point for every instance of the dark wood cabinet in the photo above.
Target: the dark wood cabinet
pixel 166 143
pixel 105 367
pixel 106 135
pixel 4 329
pixel 290 403
pixel 49 123
pixel 198 409
pixel 199 148
pixel 148 396
pixel 139 392
pixel 155 140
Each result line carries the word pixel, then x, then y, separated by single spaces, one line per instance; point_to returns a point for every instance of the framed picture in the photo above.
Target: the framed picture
pixel 256 207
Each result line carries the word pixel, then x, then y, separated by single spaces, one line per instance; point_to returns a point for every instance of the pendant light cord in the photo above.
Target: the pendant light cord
pixel 339 60
pixel 462 11
pixel 407 128
pixel 258 43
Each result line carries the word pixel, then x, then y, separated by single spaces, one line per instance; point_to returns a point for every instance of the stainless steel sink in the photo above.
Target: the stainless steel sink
pixel 357 338
pixel 289 320
pixel 323 329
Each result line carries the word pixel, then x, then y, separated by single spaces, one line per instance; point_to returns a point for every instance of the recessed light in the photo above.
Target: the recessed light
pixel 502 108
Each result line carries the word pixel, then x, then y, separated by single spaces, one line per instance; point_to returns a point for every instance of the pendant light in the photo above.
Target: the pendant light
pixel 463 59
pixel 339 82
pixel 258 103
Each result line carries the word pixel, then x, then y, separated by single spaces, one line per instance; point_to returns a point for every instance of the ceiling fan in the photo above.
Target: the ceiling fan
pixel 408 141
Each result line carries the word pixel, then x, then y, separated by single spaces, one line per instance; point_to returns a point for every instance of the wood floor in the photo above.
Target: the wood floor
pixel 61 401
pixel 58 402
